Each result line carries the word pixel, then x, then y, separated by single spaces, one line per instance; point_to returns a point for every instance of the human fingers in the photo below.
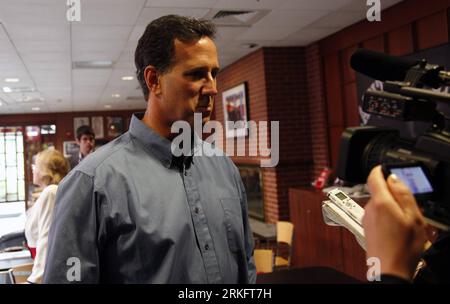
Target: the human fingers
pixel 377 185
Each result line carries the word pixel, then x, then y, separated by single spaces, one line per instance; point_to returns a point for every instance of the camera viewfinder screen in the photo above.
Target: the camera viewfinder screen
pixel 414 178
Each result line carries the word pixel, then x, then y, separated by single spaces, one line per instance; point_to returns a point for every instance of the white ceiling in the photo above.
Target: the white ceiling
pixel 38 44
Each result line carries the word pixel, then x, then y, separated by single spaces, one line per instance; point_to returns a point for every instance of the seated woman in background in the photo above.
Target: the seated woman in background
pixel 49 170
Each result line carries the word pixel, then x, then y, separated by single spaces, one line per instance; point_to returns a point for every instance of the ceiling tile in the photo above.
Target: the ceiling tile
pixel 315 5
pixel 339 19
pixel 83 33
pixel 99 50
pixel 150 14
pixel 181 3
pixel 248 4
pixel 292 18
pixel 358 5
pixel 267 33
pixel 42 45
pixel 90 77
pixel 38 32
pixel 33 12
pixel 311 34
pixel 137 32
pixel 111 12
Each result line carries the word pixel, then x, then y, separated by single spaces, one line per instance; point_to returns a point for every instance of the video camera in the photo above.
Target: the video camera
pixel 423 163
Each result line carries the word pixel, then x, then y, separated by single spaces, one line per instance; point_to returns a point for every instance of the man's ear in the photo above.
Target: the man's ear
pixel 151 77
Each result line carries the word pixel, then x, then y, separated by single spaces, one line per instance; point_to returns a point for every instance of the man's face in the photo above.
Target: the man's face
pixel 86 143
pixel 190 84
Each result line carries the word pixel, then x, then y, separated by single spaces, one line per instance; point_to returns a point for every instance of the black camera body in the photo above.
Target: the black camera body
pixel 422 162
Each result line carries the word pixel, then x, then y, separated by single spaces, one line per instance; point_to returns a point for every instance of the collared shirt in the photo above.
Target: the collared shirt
pixel 133 213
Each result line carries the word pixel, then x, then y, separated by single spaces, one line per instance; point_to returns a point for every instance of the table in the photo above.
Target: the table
pixel 11 259
pixel 319 245
pixel 263 232
pixel 308 275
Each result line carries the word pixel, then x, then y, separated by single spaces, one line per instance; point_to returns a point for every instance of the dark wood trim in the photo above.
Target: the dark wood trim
pixel 394 17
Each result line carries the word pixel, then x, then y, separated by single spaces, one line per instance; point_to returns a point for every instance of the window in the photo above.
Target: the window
pixel 12 177
pixel 251 177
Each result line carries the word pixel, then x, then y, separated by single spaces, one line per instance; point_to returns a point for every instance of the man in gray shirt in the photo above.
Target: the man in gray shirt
pixel 132 212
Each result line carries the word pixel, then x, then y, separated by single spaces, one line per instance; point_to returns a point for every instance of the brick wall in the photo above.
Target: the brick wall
pixel 407 27
pixel 278 91
pixel 317 109
pixel 287 102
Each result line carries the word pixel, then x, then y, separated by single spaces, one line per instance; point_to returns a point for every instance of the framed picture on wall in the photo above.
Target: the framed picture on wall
pixel 114 126
pixel 70 148
pixel 78 122
pixel 97 126
pixel 234 102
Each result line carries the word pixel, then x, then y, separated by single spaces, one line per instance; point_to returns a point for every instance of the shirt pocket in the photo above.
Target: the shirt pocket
pixel 233 222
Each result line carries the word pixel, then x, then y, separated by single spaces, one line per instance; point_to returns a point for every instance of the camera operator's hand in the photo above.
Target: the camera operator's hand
pixel 393 225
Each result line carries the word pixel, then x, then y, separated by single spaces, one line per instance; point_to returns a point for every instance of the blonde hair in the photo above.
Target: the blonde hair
pixel 52 165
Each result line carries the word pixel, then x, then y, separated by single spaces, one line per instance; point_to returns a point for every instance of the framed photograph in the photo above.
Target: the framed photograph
pixel 80 121
pixel 70 148
pixel 97 126
pixel 235 111
pixel 114 126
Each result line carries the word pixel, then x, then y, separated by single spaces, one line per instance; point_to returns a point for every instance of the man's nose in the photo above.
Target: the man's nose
pixel 210 87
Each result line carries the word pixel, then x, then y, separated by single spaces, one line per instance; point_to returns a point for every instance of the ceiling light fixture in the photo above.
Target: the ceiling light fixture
pixel 94 64
pixel 12 79
pixel 115 95
pixel 108 106
pixel 35 108
pixel 127 78
pixel 7 89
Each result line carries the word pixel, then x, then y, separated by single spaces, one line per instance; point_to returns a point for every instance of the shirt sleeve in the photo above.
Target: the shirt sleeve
pixel 248 234
pixel 73 254
pixel 44 220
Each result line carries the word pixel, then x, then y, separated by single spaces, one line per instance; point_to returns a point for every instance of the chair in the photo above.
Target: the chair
pixel 6 277
pixel 21 273
pixel 285 235
pixel 263 260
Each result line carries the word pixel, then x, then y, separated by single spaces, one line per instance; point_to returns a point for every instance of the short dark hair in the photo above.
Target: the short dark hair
pixel 156 46
pixel 84 130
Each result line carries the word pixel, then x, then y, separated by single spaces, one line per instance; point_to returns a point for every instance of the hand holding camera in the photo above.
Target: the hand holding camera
pixel 394 227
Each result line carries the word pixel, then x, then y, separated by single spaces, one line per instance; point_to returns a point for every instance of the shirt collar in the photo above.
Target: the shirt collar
pixel 157 145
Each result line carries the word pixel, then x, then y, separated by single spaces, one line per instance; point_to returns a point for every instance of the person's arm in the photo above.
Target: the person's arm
pixel 248 234
pixel 393 225
pixel 44 221
pixel 73 239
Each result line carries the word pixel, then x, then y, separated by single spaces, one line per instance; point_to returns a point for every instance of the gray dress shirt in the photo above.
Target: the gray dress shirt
pixel 133 213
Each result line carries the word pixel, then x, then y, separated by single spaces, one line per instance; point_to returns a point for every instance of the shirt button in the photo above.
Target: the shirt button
pixel 206 247
pixel 196 210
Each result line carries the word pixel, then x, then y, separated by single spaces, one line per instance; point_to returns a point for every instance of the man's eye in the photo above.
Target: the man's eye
pixel 196 74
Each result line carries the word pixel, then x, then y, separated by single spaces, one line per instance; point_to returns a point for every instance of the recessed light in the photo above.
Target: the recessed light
pixel 108 106
pixel 1 103
pixel 94 64
pixel 11 79
pixel 7 89
pixel 35 108
pixel 115 95
pixel 127 78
